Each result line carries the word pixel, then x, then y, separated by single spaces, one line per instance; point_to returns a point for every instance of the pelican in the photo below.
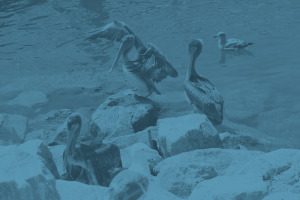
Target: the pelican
pixel 88 163
pixel 200 92
pixel 230 44
pixel 149 66
pixel 132 183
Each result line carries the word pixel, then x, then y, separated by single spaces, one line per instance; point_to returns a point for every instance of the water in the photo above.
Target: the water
pixel 42 48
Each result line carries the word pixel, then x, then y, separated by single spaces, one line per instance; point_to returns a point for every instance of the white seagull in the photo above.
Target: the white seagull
pixel 132 183
pixel 230 44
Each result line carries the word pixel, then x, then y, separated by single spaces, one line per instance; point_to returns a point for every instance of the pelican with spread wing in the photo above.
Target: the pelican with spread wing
pixel 149 66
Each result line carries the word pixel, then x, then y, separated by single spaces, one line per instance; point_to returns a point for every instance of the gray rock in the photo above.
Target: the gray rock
pixel 57 152
pixel 47 136
pixel 29 98
pixel 26 169
pixel 181 173
pixel 152 156
pixel 186 133
pixel 78 191
pixel 282 196
pixel 12 128
pixel 241 187
pixel 122 114
pixel 146 136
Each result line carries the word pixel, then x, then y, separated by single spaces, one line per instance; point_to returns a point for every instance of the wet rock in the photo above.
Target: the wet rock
pixel 181 173
pixel 146 136
pixel 26 169
pixel 152 156
pixel 282 196
pixel 78 191
pixel 186 133
pixel 29 98
pixel 122 114
pixel 45 135
pixel 12 128
pixel 243 187
pixel 280 169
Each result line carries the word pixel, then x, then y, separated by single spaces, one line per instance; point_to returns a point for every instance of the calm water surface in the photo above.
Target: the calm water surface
pixel 42 48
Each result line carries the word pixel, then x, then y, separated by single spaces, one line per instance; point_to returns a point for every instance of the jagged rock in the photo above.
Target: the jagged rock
pixel 280 169
pixel 186 133
pixel 243 187
pixel 78 191
pixel 181 173
pixel 46 136
pixel 12 128
pixel 29 98
pixel 57 154
pixel 152 156
pixel 146 136
pixel 282 196
pixel 235 135
pixel 27 171
pixel 122 114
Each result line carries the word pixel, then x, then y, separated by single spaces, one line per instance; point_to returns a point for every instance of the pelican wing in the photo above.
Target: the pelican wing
pixel 154 65
pixel 115 31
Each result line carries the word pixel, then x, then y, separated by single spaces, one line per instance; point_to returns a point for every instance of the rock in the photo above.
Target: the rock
pixel 279 169
pixel 122 114
pixel 78 191
pixel 155 192
pixel 243 187
pixel 26 169
pixel 12 128
pixel 181 173
pixel 57 154
pixel 146 136
pixel 282 196
pixel 28 99
pixel 47 136
pixel 186 133
pixel 49 121
pixel 152 156
pixel 234 135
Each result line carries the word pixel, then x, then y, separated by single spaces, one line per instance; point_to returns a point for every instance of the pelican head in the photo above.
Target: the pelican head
pixel 127 44
pixel 195 47
pixel 220 35
pixel 74 126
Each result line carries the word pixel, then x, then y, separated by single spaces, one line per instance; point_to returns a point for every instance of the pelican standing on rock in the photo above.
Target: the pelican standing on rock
pixel 230 44
pixel 149 66
pixel 91 163
pixel 200 92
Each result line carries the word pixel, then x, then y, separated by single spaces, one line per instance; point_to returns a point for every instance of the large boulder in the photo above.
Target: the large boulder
pixel 280 169
pixel 29 99
pixel 122 114
pixel 78 191
pixel 186 133
pixel 282 196
pixel 243 187
pixel 12 128
pixel 27 171
pixel 146 136
pixel 181 173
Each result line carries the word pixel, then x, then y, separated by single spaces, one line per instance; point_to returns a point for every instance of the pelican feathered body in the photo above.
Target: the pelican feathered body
pixel 230 44
pixel 200 92
pixel 150 65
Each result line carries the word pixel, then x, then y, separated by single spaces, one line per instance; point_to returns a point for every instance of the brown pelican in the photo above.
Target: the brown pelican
pixel 132 183
pixel 89 163
pixel 149 66
pixel 230 44
pixel 200 92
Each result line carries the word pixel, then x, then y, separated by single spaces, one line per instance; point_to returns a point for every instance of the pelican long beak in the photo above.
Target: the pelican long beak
pixel 121 52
